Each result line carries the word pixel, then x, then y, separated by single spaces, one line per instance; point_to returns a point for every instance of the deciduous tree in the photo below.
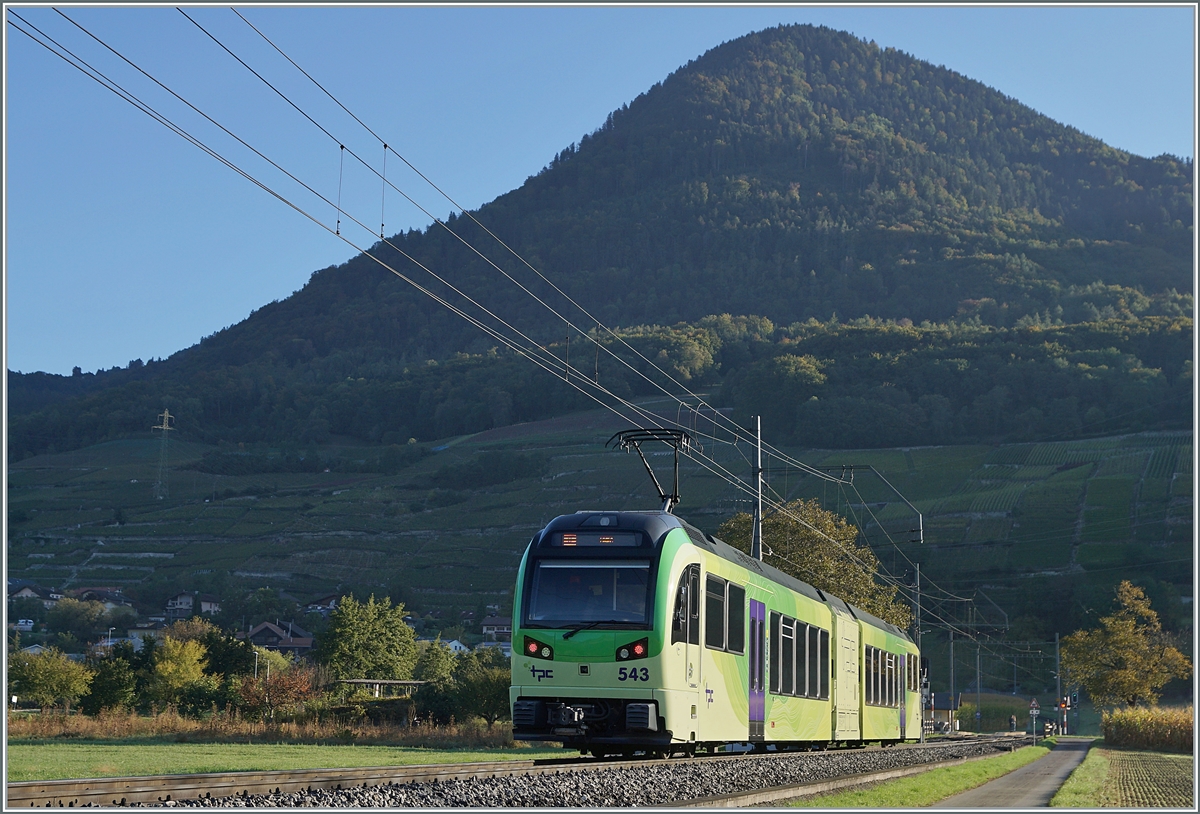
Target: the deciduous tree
pixel 367 640
pixel 114 686
pixel 176 665
pixel 481 684
pixel 48 678
pixel 1126 660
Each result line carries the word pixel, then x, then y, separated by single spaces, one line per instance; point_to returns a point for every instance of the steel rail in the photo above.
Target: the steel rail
pixel 119 791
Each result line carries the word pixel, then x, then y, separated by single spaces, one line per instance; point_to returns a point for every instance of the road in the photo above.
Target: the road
pixel 1031 786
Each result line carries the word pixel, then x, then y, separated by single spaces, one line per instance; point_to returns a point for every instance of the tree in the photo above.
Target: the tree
pixel 820 548
pixel 48 678
pixel 176 665
pixel 481 684
pixel 227 654
pixel 1128 658
pixel 367 640
pixel 195 629
pixel 80 619
pixel 284 689
pixel 114 686
pixel 436 700
pixel 27 607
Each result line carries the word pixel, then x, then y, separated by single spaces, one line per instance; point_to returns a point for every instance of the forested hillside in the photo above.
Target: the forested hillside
pixel 926 260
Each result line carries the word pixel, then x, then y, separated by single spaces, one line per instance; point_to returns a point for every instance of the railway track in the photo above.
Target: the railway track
pixel 118 791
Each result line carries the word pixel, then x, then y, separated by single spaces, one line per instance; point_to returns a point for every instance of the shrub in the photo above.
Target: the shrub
pixel 1158 728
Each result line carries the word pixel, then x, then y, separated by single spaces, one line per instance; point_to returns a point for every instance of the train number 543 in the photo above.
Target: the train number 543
pixel 633 674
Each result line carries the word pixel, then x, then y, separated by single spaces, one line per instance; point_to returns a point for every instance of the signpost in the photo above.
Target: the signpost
pixel 1034 712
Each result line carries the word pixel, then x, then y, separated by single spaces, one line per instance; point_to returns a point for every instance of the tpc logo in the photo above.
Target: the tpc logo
pixel 709 695
pixel 539 674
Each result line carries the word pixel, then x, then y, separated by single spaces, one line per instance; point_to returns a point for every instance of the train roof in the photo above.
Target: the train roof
pixel 657 523
pixel 728 552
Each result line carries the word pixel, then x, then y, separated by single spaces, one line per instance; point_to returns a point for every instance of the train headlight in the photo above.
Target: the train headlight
pixel 634 650
pixel 538 650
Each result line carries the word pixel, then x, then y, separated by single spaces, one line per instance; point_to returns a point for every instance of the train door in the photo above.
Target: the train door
pixel 846 677
pixel 686 624
pixel 758 697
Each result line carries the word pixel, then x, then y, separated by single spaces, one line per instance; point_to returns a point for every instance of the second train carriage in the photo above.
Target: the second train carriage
pixel 635 631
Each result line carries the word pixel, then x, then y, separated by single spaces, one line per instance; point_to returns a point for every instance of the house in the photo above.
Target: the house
pixel 505 647
pixel 48 596
pixel 496 629
pixel 109 597
pixel 456 647
pixel 145 630
pixel 324 605
pixel 288 638
pixel 192 603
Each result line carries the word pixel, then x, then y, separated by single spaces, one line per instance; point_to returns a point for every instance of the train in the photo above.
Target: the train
pixel 636 632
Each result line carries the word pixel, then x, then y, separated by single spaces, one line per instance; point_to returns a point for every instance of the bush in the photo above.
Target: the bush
pixel 1157 728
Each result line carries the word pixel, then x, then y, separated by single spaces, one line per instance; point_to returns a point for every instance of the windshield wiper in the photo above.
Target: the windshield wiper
pixel 590 625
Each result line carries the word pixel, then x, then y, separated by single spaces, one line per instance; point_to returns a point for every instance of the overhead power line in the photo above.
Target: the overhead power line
pixel 532 351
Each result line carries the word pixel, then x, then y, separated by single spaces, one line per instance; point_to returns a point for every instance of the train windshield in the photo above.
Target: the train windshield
pixel 567 592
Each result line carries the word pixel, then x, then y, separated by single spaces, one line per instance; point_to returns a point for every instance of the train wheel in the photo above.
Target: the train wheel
pixel 599 754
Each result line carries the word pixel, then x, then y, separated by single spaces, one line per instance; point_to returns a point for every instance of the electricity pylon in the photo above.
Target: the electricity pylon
pixel 160 486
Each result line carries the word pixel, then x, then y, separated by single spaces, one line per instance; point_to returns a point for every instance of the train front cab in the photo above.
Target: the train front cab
pixel 590 622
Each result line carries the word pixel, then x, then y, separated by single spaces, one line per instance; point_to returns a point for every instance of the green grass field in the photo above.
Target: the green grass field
pixel 52 761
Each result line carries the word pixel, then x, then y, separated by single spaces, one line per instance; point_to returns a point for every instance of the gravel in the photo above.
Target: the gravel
pixel 658 783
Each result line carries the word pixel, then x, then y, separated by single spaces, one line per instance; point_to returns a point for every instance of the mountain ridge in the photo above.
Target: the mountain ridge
pixel 796 173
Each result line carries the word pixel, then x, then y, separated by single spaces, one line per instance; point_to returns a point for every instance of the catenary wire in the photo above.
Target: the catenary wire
pixel 736 429
pixel 713 468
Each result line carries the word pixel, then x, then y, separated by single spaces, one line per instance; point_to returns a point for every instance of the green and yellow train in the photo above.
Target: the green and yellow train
pixel 635 631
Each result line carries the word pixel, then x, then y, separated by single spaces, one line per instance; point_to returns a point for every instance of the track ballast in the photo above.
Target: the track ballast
pixel 649 783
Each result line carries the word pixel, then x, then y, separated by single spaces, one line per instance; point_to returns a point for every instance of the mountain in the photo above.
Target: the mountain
pixel 794 174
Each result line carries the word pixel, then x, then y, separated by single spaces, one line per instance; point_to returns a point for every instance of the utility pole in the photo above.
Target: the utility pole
pixel 952 696
pixel 918 605
pixel 756 544
pixel 1062 713
pixel 978 691
pixel 160 485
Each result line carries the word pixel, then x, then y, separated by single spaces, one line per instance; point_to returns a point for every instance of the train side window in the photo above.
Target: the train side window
pixel 714 613
pixel 891 679
pixel 802 678
pixel 814 663
pixel 774 663
pixel 679 621
pixel 693 604
pixel 883 677
pixel 873 694
pixel 870 691
pixel 735 628
pixel 871 675
pixel 787 683
pixel 685 622
pixel 824 664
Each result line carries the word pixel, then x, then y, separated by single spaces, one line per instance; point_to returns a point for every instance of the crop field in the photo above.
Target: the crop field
pixel 1150 779
pixel 1006 513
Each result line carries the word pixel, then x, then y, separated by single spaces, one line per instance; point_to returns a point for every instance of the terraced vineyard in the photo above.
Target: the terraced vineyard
pixel 1009 517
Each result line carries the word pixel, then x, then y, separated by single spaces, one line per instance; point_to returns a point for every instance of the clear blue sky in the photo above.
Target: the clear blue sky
pixel 123 241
